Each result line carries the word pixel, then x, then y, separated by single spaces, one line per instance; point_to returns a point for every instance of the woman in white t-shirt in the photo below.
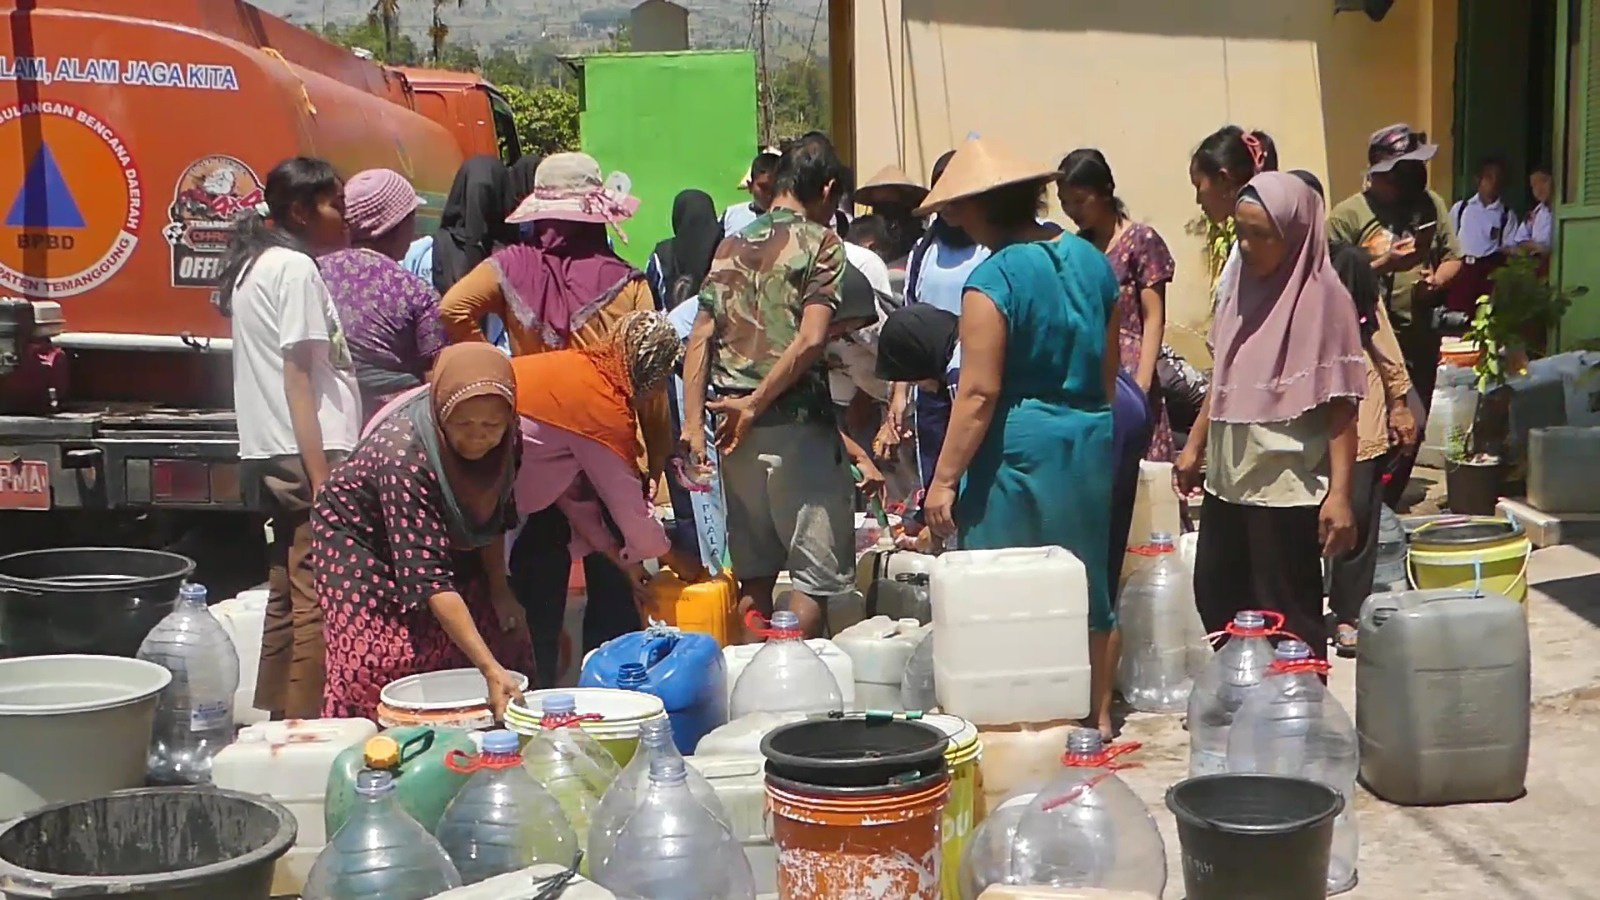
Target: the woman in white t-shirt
pixel 296 401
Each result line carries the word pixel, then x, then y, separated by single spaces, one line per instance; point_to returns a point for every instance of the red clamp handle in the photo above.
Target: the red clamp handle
pixel 463 763
pixel 566 721
pixel 1296 666
pixel 761 626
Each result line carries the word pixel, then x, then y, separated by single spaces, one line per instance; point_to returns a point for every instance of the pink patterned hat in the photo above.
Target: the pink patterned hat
pixel 377 200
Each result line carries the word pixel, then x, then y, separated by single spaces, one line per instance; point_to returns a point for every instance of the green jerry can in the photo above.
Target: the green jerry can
pixel 415 754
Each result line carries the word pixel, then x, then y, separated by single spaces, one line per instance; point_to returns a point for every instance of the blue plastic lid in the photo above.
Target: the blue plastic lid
pixel 559 704
pixel 500 741
pixel 631 674
pixel 1293 650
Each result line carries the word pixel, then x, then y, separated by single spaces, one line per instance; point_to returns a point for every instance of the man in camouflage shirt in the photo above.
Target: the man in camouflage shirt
pixel 767 312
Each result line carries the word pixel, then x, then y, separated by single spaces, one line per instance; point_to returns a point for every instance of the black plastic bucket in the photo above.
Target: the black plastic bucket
pixel 190 843
pixel 855 752
pixel 95 600
pixel 1254 837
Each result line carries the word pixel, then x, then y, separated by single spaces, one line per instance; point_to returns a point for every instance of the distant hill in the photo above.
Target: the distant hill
pixel 577 25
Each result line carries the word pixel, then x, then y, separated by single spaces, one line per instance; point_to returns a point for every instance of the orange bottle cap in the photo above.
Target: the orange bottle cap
pixel 382 752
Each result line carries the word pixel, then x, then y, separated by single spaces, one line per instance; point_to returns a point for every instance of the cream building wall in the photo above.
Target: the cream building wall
pixel 1144 81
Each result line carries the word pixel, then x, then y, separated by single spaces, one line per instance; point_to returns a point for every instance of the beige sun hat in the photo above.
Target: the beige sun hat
pixel 978 167
pixel 890 181
pixel 568 186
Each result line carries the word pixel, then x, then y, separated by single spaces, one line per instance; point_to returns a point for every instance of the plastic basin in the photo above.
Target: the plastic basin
pixel 846 753
pixel 74 727
pixel 454 698
pixel 189 843
pixel 1254 837
pixel 100 600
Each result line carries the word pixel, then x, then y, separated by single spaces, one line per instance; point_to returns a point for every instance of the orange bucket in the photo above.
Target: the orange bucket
pixel 858 842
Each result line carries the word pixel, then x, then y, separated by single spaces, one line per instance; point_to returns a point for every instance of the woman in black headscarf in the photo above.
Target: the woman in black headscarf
pixel 522 172
pixel 473 222
pixel 680 263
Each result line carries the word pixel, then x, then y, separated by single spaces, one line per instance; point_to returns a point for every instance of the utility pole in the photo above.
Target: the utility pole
pixel 763 79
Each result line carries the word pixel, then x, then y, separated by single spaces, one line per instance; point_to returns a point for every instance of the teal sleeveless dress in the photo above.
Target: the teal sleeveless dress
pixel 1043 474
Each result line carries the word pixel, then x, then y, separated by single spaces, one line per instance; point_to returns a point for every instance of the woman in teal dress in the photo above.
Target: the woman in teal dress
pixel 1027 460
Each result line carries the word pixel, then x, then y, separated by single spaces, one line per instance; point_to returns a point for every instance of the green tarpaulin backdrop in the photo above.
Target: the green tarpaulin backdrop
pixel 671 121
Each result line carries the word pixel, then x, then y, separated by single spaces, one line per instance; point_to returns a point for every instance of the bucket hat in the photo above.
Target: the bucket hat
pixel 376 200
pixel 980 166
pixel 568 186
pixel 889 184
pixel 1397 143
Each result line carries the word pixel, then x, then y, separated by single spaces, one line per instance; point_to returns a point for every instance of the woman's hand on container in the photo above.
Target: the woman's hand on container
pixel 1187 474
pixel 503 688
pixel 1336 526
pixel 939 508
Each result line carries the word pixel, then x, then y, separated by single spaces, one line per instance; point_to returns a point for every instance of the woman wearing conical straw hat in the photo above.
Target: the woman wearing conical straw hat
pixel 1027 458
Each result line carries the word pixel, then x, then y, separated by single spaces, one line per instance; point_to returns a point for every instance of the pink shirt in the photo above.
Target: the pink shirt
pixel 553 459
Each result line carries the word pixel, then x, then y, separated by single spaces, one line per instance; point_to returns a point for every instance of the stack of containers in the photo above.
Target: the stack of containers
pixel 1011 655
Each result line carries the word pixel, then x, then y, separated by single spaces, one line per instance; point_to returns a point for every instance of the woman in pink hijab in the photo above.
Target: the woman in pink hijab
pixel 1280 441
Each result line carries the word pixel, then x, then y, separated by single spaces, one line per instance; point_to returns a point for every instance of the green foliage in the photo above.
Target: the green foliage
pixel 799 98
pixel 546 117
pixel 368 35
pixel 1521 303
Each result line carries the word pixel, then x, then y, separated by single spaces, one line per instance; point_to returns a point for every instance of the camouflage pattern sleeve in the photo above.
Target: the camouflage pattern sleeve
pixel 827 272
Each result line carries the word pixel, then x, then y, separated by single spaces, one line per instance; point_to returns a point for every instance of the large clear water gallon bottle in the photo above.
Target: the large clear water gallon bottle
pixel 380 853
pixel 785 676
pixel 1390 574
pixel 1160 631
pixel 627 792
pixel 673 848
pixel 503 820
pixel 194 716
pixel 1220 688
pixel 916 686
pixel 565 727
pixel 987 859
pixel 1290 724
pixel 557 758
pixel 1088 829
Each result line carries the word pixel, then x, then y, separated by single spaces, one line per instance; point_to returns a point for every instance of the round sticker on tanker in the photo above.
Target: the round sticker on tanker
pixel 206 204
pixel 70 200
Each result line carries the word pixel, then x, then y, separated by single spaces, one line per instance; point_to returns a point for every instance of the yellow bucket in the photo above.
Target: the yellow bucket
pixel 621 713
pixel 1479 553
pixel 962 812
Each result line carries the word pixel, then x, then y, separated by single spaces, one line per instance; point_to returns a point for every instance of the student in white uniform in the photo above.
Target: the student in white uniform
pixel 1536 232
pixel 1487 229
pixel 759 183
pixel 297 404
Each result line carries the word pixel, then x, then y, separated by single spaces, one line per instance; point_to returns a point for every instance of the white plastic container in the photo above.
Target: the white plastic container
pixel 739 655
pixel 1012 635
pixel 1561 470
pixel 243 618
pixel 742 736
pixel 1020 757
pixel 879 648
pixel 1155 509
pixel 741 785
pixel 1450 417
pixel 289 761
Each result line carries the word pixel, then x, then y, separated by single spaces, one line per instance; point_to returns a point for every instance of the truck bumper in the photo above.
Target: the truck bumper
pixel 131 471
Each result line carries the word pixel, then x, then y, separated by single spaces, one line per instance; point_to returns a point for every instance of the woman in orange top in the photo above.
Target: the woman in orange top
pixel 563 287
pixel 579 484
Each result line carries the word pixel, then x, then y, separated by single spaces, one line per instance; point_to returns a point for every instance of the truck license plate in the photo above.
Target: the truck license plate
pixel 25 484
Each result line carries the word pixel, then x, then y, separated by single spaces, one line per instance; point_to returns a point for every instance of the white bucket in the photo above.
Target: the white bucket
pixel 74 727
pixel 621 713
pixel 454 698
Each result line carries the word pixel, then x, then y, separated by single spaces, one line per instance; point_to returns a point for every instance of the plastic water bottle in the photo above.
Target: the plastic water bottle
pixel 987 859
pixel 917 685
pixel 381 853
pixel 194 716
pixel 785 676
pixel 627 792
pixel 1291 725
pixel 1220 688
pixel 557 758
pixel 563 725
pixel 503 820
pixel 673 848
pixel 1088 829
pixel 1160 631
pixel 1390 574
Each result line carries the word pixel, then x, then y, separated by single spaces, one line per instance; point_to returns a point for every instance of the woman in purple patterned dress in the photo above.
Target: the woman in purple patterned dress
pixel 390 316
pixel 1143 267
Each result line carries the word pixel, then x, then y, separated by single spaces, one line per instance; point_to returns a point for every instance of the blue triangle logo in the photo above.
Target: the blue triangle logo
pixel 44 202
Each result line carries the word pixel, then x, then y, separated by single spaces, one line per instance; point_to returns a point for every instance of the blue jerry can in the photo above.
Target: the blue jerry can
pixel 684 669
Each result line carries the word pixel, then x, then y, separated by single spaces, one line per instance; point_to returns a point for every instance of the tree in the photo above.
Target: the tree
pixel 387 14
pixel 368 35
pixel 799 98
pixel 546 117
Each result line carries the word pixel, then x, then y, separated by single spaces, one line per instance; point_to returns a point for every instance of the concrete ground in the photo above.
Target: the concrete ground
pixel 1541 847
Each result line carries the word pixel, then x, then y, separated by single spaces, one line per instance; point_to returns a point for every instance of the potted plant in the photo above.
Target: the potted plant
pixel 1518 312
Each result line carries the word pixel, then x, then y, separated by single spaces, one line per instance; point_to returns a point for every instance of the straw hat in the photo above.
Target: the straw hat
pixel 890 182
pixel 568 186
pixel 979 167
